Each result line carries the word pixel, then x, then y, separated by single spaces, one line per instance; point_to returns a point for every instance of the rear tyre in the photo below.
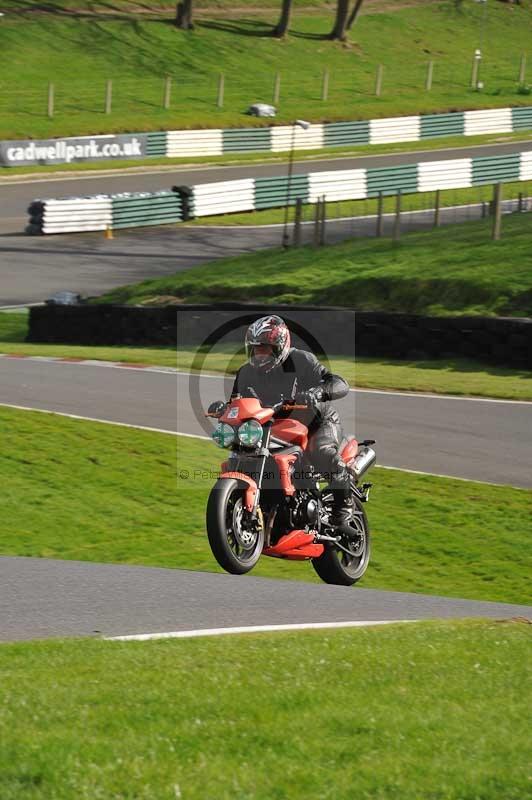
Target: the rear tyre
pixel 337 567
pixel 236 539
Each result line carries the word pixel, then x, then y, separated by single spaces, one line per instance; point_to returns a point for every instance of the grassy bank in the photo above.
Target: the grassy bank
pixel 453 270
pixel 441 376
pixel 212 717
pixel 97 492
pixel 137 50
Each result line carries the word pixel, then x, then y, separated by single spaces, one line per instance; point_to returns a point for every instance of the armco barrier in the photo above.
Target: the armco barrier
pixel 278 138
pixel 492 339
pixel 273 192
pixel 143 208
pixel 453 174
pixel 250 194
pixel 68 215
pixel 492 169
pixel 434 125
pixel 224 197
pixel 390 180
pixel 127 210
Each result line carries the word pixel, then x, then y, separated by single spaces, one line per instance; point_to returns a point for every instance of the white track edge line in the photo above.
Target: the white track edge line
pixel 142 637
pixel 208 439
pixel 97 419
pixel 452 477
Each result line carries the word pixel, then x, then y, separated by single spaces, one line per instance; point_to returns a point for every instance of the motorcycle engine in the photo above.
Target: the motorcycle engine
pixel 307 511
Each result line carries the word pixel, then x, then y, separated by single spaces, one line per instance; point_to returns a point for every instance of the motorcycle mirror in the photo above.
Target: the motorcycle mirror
pixel 216 408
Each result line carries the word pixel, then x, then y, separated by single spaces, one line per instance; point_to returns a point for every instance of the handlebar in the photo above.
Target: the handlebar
pixel 283 406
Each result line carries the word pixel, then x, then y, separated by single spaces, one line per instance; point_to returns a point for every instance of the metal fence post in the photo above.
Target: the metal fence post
pixel 167 92
pixel 497 211
pixel 317 218
pixel 323 220
pixel 325 84
pixel 108 96
pixel 397 220
pixel 297 222
pixel 277 88
pixel 437 204
pixel 380 215
pixel 50 100
pixel 221 91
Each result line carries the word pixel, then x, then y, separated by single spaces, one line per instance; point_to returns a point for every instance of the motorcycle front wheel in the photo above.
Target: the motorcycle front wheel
pixel 236 539
pixel 341 568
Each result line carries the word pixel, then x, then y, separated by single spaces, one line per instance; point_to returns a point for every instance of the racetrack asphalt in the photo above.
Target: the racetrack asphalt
pixel 33 268
pixel 43 598
pixel 465 438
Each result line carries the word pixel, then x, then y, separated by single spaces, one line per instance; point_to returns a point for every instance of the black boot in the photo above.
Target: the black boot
pixel 342 510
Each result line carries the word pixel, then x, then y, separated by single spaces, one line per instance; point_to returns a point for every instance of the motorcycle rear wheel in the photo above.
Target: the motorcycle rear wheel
pixel 335 566
pixel 234 545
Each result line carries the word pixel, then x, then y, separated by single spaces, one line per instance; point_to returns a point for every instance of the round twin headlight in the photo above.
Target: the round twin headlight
pixel 223 435
pixel 250 433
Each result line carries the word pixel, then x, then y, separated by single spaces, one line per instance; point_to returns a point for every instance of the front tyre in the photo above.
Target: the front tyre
pixel 343 569
pixel 235 537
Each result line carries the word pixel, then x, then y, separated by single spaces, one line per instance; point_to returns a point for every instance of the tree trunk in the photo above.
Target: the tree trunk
pixel 354 14
pixel 339 30
pixel 184 14
pixel 281 29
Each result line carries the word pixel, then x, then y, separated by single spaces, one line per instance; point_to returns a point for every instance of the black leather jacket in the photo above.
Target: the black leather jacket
pixel 300 372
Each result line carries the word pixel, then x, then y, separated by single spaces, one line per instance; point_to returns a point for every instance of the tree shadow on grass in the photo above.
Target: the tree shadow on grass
pixel 94 10
pixel 256 28
pixel 244 27
pixel 316 37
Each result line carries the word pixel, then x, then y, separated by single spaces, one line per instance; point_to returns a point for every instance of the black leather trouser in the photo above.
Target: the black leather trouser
pixel 324 453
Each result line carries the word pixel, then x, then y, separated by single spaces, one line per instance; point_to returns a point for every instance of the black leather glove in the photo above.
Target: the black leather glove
pixel 217 408
pixel 311 397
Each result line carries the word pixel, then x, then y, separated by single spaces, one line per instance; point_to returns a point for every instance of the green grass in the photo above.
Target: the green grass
pixel 455 270
pixel 362 208
pixel 424 711
pixel 137 51
pixel 95 492
pixel 443 376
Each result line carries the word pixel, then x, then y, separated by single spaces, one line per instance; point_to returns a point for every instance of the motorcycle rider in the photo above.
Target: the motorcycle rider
pixel 276 369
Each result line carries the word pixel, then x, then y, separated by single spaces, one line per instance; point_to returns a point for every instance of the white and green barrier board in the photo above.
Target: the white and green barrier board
pixel 127 210
pixel 275 139
pixel 65 215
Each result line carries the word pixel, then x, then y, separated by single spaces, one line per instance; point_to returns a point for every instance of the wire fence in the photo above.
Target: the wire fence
pixel 393 216
pixel 321 90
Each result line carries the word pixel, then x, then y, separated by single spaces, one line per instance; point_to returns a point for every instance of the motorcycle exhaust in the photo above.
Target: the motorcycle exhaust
pixel 365 458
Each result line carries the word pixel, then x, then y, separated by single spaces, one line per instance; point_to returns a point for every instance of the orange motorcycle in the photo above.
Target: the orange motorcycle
pixel 269 500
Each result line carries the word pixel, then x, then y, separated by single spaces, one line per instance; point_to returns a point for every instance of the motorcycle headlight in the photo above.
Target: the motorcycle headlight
pixel 250 433
pixel 223 435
